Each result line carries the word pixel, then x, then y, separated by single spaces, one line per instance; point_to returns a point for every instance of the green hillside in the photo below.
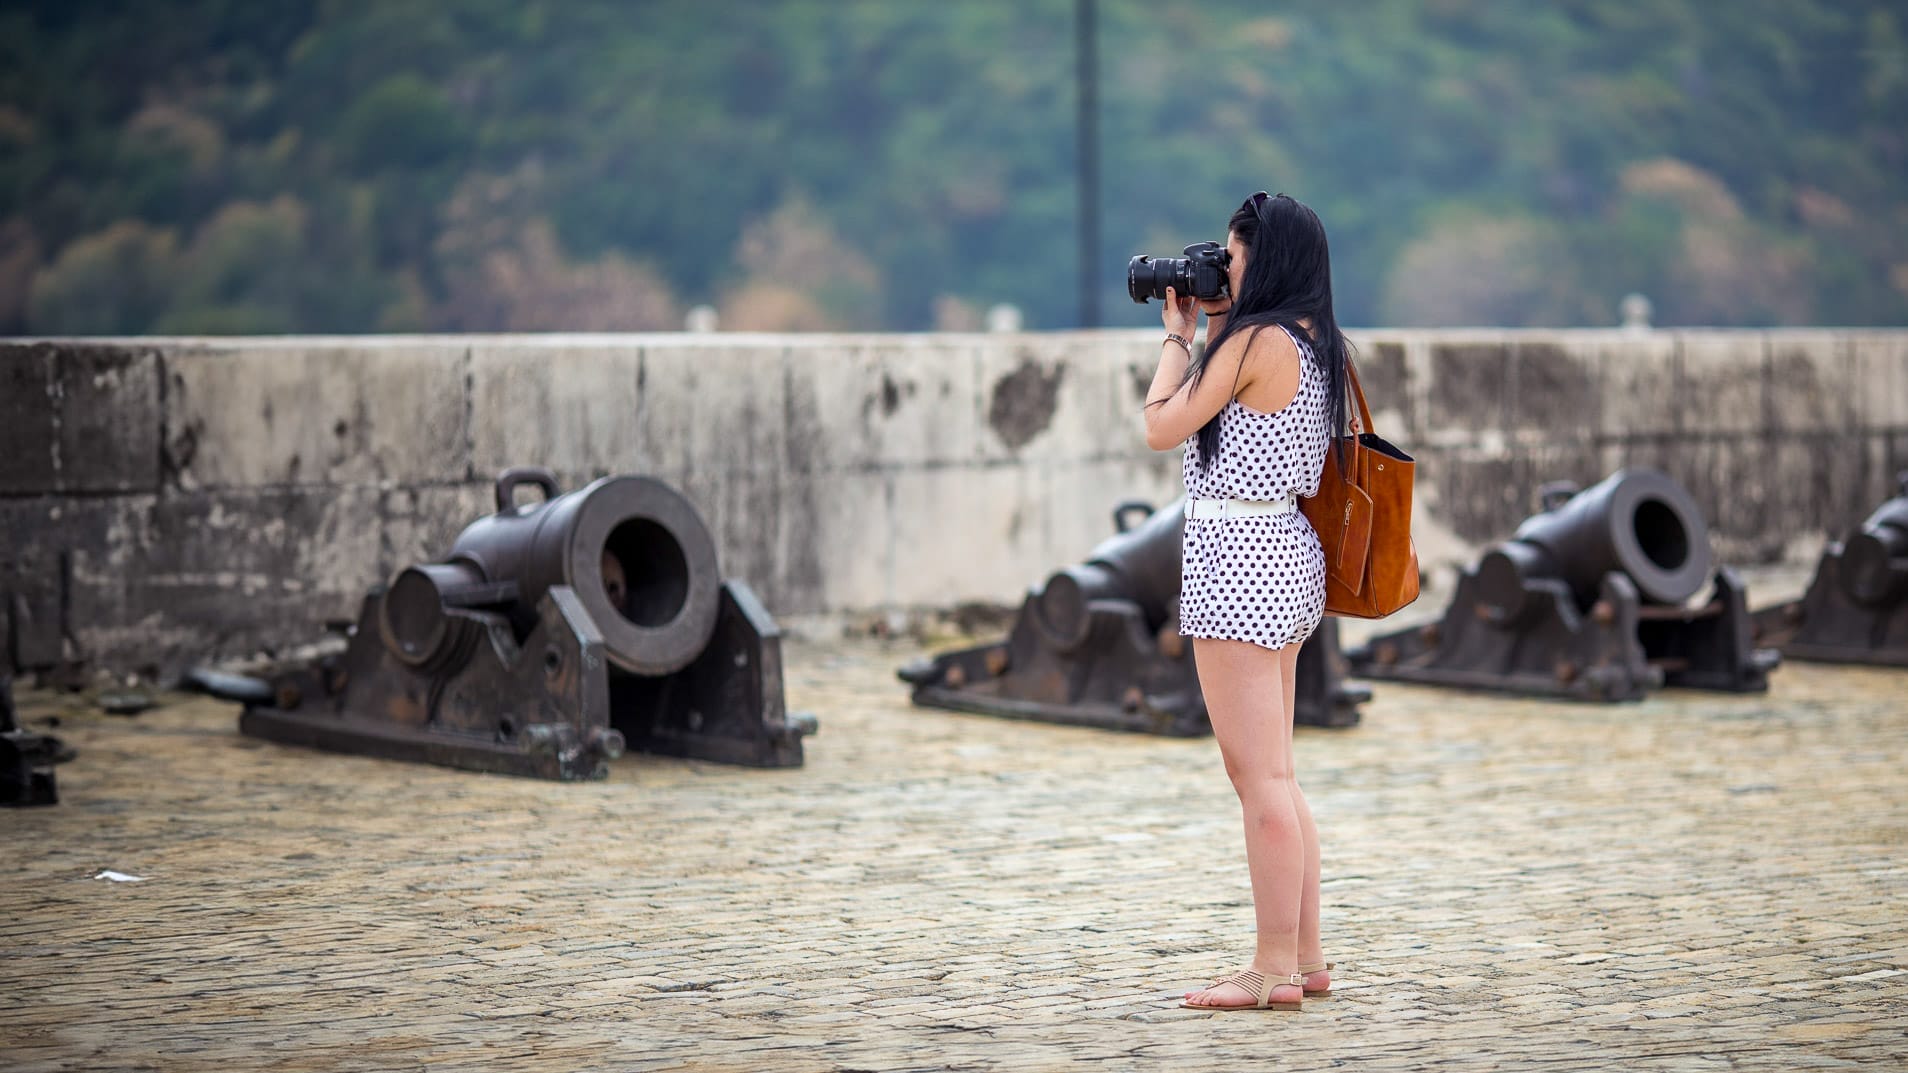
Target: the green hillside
pixel 218 166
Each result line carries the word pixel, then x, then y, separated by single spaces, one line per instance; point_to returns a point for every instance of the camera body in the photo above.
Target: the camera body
pixel 1200 274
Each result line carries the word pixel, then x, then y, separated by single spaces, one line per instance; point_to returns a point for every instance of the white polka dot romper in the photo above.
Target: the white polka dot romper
pixel 1259 579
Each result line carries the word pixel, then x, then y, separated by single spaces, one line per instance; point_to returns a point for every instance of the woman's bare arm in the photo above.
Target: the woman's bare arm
pixel 1175 411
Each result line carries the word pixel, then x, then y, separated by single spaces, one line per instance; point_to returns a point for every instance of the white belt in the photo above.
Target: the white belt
pixel 1239 508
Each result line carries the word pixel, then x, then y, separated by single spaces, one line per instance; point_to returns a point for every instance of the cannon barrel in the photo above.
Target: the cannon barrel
pixel 1099 645
pixel 1588 600
pixel 1638 522
pixel 1855 609
pixel 635 551
pixel 1874 569
pixel 550 637
pixel 1139 564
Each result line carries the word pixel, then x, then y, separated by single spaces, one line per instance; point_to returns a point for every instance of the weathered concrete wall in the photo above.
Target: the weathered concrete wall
pixel 1783 437
pixel 212 497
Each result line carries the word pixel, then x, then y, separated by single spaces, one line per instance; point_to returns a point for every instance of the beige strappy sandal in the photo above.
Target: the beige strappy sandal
pixel 1303 970
pixel 1254 983
pixel 1317 966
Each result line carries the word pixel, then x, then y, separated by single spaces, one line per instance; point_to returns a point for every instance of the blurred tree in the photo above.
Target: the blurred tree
pixel 115 282
pixel 1716 266
pixel 528 285
pixel 1477 269
pixel 504 272
pixel 402 122
pixel 931 148
pixel 242 272
pixel 795 273
pixel 19 259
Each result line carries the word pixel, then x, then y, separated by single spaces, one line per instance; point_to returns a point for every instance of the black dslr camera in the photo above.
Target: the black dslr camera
pixel 1199 274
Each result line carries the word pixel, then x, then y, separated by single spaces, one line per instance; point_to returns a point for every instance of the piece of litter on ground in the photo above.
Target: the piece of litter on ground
pixel 119 877
pixel 126 703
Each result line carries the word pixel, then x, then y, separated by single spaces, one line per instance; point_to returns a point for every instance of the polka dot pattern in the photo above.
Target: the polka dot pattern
pixel 1259 579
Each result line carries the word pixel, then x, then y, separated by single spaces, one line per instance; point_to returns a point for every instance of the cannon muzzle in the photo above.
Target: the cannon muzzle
pixel 1138 564
pixel 1874 569
pixel 634 550
pixel 1637 522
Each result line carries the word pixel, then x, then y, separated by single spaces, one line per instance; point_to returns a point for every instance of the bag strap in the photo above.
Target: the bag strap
pixel 1360 468
pixel 1358 392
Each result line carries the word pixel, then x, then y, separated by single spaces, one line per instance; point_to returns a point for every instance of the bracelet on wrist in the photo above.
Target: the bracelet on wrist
pixel 1175 337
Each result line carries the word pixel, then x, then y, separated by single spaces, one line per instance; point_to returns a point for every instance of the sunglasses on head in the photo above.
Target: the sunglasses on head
pixel 1257 202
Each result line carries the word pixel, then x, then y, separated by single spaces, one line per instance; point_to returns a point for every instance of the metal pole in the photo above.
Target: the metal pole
pixel 1086 50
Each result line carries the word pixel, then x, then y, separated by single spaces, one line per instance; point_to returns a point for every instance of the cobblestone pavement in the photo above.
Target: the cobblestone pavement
pixel 1697 882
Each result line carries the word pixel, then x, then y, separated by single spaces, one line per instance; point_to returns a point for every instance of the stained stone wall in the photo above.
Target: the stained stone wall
pixel 188 498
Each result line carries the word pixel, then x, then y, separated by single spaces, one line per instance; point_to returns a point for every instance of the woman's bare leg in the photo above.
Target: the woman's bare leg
pixel 1310 950
pixel 1246 698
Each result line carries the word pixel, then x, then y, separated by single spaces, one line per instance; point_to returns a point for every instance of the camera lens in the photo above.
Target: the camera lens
pixel 1199 274
pixel 1139 278
pixel 1148 277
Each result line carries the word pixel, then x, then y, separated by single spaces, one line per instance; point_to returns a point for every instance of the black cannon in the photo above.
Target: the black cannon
pixel 1856 607
pixel 552 636
pixel 1099 645
pixel 1587 601
pixel 31 632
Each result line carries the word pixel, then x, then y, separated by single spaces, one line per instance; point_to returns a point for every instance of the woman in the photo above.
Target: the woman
pixel 1256 413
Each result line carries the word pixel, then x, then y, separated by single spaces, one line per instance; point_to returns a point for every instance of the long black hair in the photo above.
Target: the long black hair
pixel 1288 278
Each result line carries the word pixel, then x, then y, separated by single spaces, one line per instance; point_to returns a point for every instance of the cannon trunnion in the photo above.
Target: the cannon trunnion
pixel 552 637
pixel 1099 645
pixel 1856 607
pixel 1586 601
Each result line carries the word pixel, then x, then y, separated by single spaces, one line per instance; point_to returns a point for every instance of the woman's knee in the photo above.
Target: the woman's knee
pixel 1269 807
pixel 1255 775
pixel 1254 763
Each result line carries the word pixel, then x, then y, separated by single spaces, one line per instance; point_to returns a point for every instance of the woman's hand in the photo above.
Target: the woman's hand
pixel 1181 318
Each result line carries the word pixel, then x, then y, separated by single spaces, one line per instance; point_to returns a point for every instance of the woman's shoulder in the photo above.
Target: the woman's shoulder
pixel 1273 343
pixel 1257 351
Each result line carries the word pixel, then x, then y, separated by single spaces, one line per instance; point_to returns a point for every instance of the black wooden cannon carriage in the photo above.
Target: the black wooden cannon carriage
pixel 1587 601
pixel 551 637
pixel 1099 645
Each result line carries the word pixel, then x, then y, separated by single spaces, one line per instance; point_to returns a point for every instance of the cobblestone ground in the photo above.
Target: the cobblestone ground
pixel 1697 882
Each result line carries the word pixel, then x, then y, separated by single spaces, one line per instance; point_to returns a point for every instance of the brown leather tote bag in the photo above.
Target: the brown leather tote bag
pixel 1362 514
